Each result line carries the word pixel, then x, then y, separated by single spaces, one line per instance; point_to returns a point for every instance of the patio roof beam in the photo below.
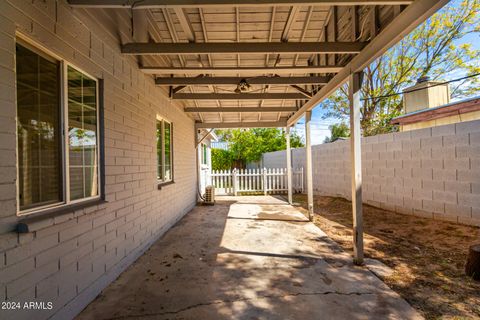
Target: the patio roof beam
pixel 150 4
pixel 196 81
pixel 251 124
pixel 240 109
pixel 163 48
pixel 404 23
pixel 241 70
pixel 238 96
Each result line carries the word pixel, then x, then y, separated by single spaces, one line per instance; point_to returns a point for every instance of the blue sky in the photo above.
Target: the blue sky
pixel 319 125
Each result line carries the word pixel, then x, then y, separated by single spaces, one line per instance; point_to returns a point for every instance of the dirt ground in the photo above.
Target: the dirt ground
pixel 427 256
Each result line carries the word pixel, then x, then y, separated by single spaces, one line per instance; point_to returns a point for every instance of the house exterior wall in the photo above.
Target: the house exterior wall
pixel 432 172
pixel 73 256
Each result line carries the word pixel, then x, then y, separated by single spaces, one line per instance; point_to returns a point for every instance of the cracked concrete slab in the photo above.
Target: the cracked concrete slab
pixel 252 257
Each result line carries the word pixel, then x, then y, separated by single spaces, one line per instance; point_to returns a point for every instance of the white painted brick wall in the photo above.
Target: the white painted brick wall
pixel 76 255
pixel 433 172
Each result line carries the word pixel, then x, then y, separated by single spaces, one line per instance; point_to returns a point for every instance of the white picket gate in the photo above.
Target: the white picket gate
pixel 250 181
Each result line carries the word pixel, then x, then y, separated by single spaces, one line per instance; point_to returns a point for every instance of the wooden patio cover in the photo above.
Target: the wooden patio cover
pixel 259 63
pixel 267 63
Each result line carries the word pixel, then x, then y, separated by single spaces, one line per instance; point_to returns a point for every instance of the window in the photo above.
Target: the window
pixel 39 131
pixel 82 135
pixel 204 153
pixel 48 163
pixel 164 151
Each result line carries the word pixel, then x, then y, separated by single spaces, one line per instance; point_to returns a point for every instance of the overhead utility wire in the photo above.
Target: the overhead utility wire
pixel 413 90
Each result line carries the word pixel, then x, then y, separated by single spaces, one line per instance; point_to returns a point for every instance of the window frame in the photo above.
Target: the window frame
pixel 63 117
pixel 65 132
pixel 163 120
pixel 204 155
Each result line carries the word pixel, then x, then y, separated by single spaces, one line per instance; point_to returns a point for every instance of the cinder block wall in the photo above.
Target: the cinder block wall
pixel 432 172
pixel 73 256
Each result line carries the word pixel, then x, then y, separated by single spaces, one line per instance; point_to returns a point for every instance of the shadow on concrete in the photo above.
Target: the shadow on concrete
pixel 226 262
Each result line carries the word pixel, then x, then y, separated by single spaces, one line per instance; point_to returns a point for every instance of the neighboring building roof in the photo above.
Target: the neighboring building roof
pixel 451 109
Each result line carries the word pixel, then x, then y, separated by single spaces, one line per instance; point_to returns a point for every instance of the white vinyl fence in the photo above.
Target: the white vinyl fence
pixel 249 181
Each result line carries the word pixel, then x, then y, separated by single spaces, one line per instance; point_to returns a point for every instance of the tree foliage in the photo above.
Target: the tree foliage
pixel 247 145
pixel 221 159
pixel 339 130
pixel 430 50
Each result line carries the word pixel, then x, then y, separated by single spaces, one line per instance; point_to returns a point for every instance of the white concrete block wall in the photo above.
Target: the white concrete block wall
pixel 73 256
pixel 433 172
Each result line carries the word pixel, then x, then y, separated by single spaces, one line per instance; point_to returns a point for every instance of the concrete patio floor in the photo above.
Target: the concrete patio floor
pixel 252 257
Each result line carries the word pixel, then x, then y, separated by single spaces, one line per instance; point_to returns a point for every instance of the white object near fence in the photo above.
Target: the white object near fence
pixel 248 181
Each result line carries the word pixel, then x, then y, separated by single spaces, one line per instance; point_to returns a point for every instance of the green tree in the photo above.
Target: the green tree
pixel 339 130
pixel 248 145
pixel 430 50
pixel 221 159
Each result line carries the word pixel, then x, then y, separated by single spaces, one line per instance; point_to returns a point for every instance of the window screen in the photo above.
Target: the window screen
pixel 38 129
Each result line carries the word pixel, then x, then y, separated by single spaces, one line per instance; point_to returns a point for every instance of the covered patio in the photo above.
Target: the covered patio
pixel 118 92
pixel 263 64
pixel 250 257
